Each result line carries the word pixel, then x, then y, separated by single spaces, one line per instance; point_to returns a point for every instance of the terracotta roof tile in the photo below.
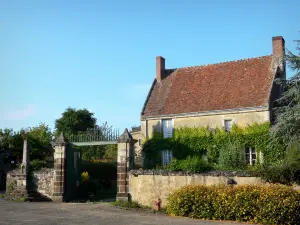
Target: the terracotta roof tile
pixel 228 85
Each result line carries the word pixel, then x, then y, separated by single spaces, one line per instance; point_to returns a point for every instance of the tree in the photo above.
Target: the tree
pixel 39 139
pixel 5 138
pixel 73 121
pixel 111 152
pixel 12 142
pixel 287 125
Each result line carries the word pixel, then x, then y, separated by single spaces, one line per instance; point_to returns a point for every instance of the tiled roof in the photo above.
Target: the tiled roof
pixel 136 129
pixel 228 85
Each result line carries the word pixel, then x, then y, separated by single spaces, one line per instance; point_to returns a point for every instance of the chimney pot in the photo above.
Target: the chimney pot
pixel 278 46
pixel 160 68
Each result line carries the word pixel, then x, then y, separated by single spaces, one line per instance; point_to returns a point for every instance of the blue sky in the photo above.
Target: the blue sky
pixel 100 55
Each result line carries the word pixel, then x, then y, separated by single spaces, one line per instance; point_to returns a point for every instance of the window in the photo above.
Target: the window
pixel 204 155
pixel 166 157
pixel 167 128
pixel 250 154
pixel 227 125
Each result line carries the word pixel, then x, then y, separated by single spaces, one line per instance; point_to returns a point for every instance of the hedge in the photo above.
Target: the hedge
pixel 274 204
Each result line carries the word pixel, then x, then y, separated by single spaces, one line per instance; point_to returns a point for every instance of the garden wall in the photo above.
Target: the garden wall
pixel 44 181
pixel 145 186
pixel 37 187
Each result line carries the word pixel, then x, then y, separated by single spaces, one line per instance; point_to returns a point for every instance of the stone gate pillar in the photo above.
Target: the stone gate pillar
pixel 125 163
pixel 59 168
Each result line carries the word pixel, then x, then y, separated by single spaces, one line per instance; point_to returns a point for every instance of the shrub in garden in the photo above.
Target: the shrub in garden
pixel 232 156
pixel 193 164
pixel 274 204
pixel 37 164
pixel 84 177
pixel 286 172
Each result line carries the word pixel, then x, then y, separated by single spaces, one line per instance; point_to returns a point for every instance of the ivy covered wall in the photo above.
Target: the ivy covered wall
pixel 196 141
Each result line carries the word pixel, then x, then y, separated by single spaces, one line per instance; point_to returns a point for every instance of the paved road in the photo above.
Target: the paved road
pixel 14 213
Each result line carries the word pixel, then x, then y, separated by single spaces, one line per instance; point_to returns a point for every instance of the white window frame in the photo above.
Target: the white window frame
pixel 224 123
pixel 166 157
pixel 252 151
pixel 162 128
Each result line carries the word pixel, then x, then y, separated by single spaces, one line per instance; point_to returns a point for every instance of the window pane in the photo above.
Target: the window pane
pixel 253 156
pixel 170 156
pixel 248 158
pixel 167 128
pixel 247 150
pixel 228 124
pixel 253 150
pixel 166 157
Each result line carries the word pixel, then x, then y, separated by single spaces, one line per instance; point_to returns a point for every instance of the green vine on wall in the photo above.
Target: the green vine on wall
pixel 195 141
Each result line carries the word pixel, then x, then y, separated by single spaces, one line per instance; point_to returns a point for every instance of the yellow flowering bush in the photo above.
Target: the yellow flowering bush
pixel 84 177
pixel 273 204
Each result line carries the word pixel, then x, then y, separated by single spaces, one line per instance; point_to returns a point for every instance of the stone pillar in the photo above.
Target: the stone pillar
pixel 125 163
pixel 59 168
pixel 25 159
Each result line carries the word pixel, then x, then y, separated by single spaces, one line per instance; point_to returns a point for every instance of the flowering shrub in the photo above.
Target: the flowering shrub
pixel 274 204
pixel 85 177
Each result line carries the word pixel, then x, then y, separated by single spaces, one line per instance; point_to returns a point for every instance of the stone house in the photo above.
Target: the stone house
pixel 214 95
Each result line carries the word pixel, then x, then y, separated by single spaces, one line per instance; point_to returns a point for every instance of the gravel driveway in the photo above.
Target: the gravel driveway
pixel 15 213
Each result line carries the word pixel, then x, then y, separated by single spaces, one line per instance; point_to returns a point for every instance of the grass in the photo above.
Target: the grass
pixel 136 205
pixel 128 204
pixel 20 199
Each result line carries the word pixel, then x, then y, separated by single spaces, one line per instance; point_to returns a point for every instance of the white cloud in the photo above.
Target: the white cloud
pixel 18 114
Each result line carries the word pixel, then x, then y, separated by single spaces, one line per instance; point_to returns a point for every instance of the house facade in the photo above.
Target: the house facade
pixel 238 92
pixel 215 95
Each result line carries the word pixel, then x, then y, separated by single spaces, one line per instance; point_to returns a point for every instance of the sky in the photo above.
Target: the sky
pixel 100 55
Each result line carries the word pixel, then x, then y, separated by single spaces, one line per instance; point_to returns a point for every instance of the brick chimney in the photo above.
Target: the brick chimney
pixel 278 46
pixel 160 68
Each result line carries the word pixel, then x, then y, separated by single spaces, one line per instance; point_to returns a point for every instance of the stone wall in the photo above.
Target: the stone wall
pixel 145 186
pixel 44 181
pixel 16 185
pixel 35 187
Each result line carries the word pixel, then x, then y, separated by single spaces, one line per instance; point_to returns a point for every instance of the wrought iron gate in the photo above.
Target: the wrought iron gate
pixel 73 172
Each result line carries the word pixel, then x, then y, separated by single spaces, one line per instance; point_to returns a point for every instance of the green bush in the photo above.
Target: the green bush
pixel 286 172
pixel 193 164
pixel 232 156
pixel 274 204
pixel 38 164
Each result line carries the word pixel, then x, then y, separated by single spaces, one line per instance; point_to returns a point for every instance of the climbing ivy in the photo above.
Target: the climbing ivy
pixel 195 141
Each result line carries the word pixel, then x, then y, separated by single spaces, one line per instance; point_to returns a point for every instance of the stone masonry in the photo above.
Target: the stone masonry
pixel 125 163
pixel 59 169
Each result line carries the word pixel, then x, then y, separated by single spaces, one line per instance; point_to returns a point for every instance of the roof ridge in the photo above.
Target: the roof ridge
pixel 211 64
